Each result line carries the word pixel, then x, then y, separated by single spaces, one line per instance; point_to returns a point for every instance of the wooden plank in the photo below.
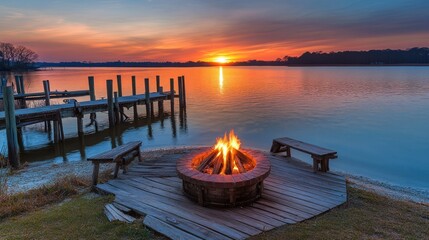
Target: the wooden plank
pixel 176 194
pixel 116 152
pixel 149 207
pixel 168 229
pixel 114 214
pixel 185 207
pixel 197 229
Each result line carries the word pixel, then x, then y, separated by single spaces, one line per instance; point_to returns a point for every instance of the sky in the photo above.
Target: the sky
pixel 197 30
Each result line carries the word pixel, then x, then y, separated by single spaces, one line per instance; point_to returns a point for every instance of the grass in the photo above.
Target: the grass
pixel 15 204
pixel 365 216
pixel 79 218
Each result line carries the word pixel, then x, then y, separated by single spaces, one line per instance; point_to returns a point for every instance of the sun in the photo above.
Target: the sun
pixel 221 59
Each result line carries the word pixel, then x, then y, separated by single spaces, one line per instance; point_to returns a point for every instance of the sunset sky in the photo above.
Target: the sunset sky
pixel 174 30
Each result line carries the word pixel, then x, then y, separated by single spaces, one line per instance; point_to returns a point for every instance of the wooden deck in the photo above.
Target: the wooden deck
pixel 292 194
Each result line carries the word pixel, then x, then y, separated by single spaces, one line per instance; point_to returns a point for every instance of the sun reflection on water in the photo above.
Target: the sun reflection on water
pixel 220 80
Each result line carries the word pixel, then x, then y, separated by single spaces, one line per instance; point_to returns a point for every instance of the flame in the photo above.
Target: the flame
pixel 224 158
pixel 227 147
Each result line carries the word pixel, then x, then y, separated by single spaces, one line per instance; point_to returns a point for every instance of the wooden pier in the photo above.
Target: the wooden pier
pixel 292 193
pixel 14 119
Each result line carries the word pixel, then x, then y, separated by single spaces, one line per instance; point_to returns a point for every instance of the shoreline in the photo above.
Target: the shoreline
pixel 44 173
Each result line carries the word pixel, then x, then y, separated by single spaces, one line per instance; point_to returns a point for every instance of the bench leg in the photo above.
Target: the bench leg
pixel 325 165
pixel 95 174
pixel 315 164
pixel 288 154
pixel 140 156
pixel 275 147
pixel 117 166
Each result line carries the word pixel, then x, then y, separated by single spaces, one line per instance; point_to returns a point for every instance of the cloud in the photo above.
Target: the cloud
pixel 193 30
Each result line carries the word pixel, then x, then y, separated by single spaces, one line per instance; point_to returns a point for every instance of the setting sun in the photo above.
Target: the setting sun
pixel 221 59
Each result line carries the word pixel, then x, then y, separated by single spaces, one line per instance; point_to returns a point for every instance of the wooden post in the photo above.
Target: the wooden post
pixel 133 84
pixel 184 91
pixel 79 117
pixel 91 88
pixel 109 86
pixel 56 132
pixel 60 125
pixel 46 88
pixel 120 109
pixel 147 97
pixel 172 95
pixel 160 103
pixel 134 87
pixel 158 83
pixel 93 115
pixel 21 83
pixel 47 92
pixel 117 112
pixel 18 85
pixel 159 89
pixel 11 132
pixel 19 90
pixel 180 88
pixel 119 81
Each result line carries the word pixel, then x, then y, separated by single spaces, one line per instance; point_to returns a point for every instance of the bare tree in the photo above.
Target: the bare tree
pixel 19 57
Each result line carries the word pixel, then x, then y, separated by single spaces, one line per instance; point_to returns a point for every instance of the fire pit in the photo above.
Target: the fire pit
pixel 224 175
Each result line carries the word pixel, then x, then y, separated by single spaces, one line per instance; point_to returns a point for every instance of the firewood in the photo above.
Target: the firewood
pixel 206 162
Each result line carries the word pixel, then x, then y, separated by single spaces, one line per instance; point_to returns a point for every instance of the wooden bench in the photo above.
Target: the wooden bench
pixel 320 155
pixel 122 156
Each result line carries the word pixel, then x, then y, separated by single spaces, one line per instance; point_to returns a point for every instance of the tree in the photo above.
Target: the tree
pixel 15 58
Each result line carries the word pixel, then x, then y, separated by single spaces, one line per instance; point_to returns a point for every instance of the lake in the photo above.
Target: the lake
pixel 375 117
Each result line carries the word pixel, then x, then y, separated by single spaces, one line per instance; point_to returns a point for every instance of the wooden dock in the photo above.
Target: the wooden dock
pixel 14 119
pixel 292 193
pixel 27 116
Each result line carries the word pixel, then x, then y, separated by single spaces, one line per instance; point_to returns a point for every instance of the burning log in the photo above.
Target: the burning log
pixel 225 158
pixel 217 166
pixel 207 161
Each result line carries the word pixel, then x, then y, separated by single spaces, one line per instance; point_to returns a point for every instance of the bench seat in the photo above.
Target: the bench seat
pixel 320 155
pixel 121 156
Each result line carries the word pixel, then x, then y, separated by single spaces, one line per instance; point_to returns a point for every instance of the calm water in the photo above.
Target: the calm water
pixel 375 117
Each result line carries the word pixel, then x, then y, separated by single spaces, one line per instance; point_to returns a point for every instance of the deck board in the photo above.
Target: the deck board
pixel 292 194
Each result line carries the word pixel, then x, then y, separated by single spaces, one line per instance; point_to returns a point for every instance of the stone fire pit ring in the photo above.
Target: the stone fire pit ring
pixel 223 190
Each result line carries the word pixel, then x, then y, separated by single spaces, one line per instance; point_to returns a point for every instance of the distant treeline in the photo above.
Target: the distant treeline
pixel 157 64
pixel 371 57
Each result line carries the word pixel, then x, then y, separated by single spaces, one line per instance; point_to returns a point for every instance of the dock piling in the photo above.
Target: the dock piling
pixel 17 84
pixel 147 98
pixel 11 131
pixel 91 88
pixel 21 83
pixel 134 88
pixel 46 88
pixel 109 86
pixel 159 90
pixel 117 111
pixel 120 109
pixel 184 91
pixel 172 95
pixel 93 115
pixel 180 89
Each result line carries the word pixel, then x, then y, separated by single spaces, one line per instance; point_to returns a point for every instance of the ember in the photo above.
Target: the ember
pixel 224 158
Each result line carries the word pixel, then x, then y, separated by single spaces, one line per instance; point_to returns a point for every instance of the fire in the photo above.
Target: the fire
pixel 225 157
